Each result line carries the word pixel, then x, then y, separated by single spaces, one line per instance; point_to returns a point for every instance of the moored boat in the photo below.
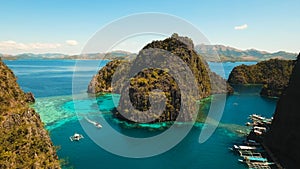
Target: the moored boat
pixel 253 159
pixel 236 147
pixel 251 143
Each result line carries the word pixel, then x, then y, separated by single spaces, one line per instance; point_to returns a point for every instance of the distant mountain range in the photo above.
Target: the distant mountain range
pixel 213 53
pixel 226 53
pixel 121 55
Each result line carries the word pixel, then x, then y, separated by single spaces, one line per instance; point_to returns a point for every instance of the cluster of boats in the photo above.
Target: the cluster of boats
pixel 253 155
pixel 252 152
pixel 258 120
pixel 260 125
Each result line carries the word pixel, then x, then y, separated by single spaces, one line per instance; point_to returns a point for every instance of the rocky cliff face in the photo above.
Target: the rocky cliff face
pixel 102 81
pixel 284 136
pixel 149 79
pixel 24 141
pixel 273 74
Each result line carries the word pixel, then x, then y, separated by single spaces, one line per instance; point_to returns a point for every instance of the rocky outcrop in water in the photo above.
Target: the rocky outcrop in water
pixel 24 143
pixel 283 138
pixel 141 83
pixel 273 74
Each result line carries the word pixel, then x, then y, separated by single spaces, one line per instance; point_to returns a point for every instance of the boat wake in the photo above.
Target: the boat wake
pixel 96 124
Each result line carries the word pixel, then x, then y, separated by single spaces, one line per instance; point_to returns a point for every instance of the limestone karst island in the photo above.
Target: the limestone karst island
pixel 149 84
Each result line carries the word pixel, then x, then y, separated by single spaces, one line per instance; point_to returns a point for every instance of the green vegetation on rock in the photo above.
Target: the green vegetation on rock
pixel 141 83
pixel 273 74
pixel 24 141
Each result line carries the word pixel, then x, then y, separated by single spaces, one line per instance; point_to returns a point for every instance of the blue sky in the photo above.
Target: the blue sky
pixel 64 26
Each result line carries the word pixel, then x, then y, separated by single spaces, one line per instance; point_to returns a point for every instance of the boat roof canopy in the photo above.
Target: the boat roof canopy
pixel 257 159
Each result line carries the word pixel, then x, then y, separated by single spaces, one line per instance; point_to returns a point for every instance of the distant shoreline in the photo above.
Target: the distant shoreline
pixel 210 53
pixel 108 59
pixel 10 59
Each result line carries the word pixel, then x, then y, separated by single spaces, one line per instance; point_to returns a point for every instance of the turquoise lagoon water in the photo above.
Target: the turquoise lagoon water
pixel 51 82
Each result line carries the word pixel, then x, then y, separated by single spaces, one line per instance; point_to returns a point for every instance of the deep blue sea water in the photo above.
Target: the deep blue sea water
pixel 51 83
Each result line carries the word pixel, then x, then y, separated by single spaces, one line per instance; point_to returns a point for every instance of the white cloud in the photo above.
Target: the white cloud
pixel 71 42
pixel 241 27
pixel 12 45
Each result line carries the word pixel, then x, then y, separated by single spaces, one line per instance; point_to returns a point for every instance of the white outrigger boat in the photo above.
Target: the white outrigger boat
pixel 96 124
pixel 236 147
pixel 253 159
pixel 256 117
pixel 248 153
pixel 76 137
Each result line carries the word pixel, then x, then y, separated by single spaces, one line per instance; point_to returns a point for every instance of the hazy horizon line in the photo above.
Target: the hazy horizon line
pixel 136 52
